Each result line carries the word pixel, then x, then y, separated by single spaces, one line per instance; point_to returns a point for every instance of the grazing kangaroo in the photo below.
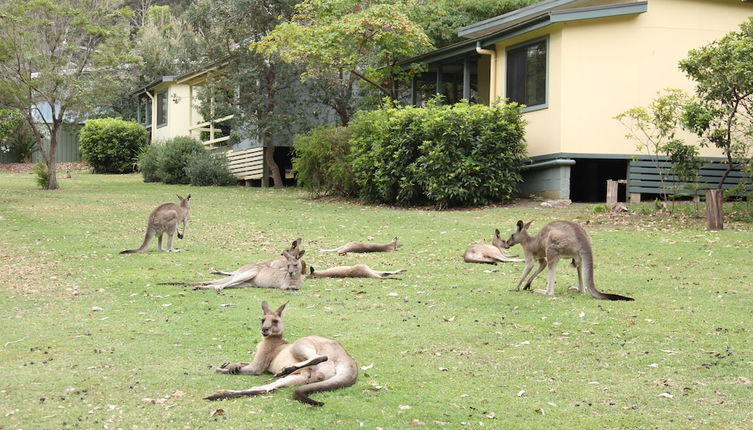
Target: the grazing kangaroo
pixel 317 363
pixel 357 271
pixel 257 276
pixel 558 239
pixel 276 263
pixel 365 247
pixel 489 254
pixel 163 220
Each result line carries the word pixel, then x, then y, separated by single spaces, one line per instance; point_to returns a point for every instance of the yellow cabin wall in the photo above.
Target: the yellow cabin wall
pixel 180 116
pixel 598 68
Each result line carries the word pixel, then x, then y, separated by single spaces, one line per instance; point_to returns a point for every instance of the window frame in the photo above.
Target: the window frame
pixel 521 45
pixel 162 108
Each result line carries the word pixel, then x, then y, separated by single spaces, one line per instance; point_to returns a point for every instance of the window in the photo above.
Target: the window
pixel 162 108
pixel 145 112
pixel 526 74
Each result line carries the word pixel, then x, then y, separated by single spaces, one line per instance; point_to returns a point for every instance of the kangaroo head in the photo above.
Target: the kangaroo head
pixel 271 322
pixel 520 234
pixel 294 267
pixel 184 202
pixel 497 240
pixel 294 248
pixel 395 244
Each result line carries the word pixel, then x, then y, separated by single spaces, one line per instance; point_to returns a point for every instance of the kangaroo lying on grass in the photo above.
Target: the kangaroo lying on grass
pixel 357 271
pixel 162 220
pixel 558 239
pixel 257 276
pixel 364 247
pixel 489 254
pixel 276 263
pixel 317 363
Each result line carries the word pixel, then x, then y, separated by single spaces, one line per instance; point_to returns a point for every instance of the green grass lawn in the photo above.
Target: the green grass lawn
pixel 88 337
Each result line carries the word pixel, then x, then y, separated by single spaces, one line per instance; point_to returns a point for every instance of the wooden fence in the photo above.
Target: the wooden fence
pixel 644 178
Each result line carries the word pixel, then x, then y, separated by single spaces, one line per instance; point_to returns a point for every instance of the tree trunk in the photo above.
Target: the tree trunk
pixel 714 216
pixel 269 158
pixel 52 158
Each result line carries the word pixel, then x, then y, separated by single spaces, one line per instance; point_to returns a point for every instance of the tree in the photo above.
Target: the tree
pixel 723 114
pixel 65 54
pixel 654 128
pixel 262 92
pixel 341 42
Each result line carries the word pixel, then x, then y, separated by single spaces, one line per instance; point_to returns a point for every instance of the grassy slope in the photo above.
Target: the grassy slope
pixel 448 344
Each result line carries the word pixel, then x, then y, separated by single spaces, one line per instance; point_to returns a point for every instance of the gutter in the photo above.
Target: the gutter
pixel 492 70
pixel 551 163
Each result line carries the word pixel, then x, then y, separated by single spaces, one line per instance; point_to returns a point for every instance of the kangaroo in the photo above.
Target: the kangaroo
pixel 357 271
pixel 489 254
pixel 163 220
pixel 364 247
pixel 558 239
pixel 317 363
pixel 257 276
pixel 276 263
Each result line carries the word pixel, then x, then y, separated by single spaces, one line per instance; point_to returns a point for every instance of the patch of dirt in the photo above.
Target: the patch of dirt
pixel 26 167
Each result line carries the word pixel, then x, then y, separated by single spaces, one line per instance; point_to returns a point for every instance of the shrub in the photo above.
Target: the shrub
pixel 205 168
pixel 174 159
pixel 457 155
pixel 110 145
pixel 43 176
pixel 322 161
pixel 150 161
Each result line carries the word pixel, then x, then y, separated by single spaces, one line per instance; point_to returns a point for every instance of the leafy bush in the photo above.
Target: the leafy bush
pixel 205 168
pixel 150 161
pixel 457 155
pixel 110 145
pixel 174 160
pixel 322 161
pixel 43 176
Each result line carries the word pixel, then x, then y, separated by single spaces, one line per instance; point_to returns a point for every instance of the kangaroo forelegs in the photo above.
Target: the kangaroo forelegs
pixel 300 365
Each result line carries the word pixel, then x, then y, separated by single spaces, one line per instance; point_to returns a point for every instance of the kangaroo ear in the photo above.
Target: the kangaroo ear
pixel 286 254
pixel 528 224
pixel 311 270
pixel 265 307
pixel 520 224
pixel 300 254
pixel 188 197
pixel 179 197
pixel 496 232
pixel 281 308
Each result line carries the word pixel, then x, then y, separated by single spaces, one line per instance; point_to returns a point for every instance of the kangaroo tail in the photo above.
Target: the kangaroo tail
pixel 144 246
pixel 185 283
pixel 345 377
pixel 329 250
pixel 587 269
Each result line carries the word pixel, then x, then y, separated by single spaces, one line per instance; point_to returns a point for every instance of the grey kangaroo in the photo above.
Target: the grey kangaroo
pixel 357 271
pixel 257 276
pixel 163 220
pixel 365 247
pixel 316 363
pixel 489 254
pixel 276 263
pixel 558 239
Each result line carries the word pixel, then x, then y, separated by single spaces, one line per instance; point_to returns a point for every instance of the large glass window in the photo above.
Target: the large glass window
pixel 526 73
pixel 162 108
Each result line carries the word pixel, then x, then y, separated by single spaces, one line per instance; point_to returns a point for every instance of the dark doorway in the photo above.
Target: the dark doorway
pixel 588 179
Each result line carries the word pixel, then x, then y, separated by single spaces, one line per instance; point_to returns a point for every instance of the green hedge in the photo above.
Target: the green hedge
pixel 444 155
pixel 183 160
pixel 111 145
pixel 322 161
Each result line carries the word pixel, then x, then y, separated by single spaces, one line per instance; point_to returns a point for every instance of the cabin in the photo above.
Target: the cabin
pixel 170 107
pixel 576 64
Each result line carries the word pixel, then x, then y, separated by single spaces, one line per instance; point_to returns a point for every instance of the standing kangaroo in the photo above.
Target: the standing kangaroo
pixel 276 263
pixel 257 276
pixel 163 220
pixel 488 254
pixel 357 271
pixel 317 363
pixel 365 247
pixel 558 239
